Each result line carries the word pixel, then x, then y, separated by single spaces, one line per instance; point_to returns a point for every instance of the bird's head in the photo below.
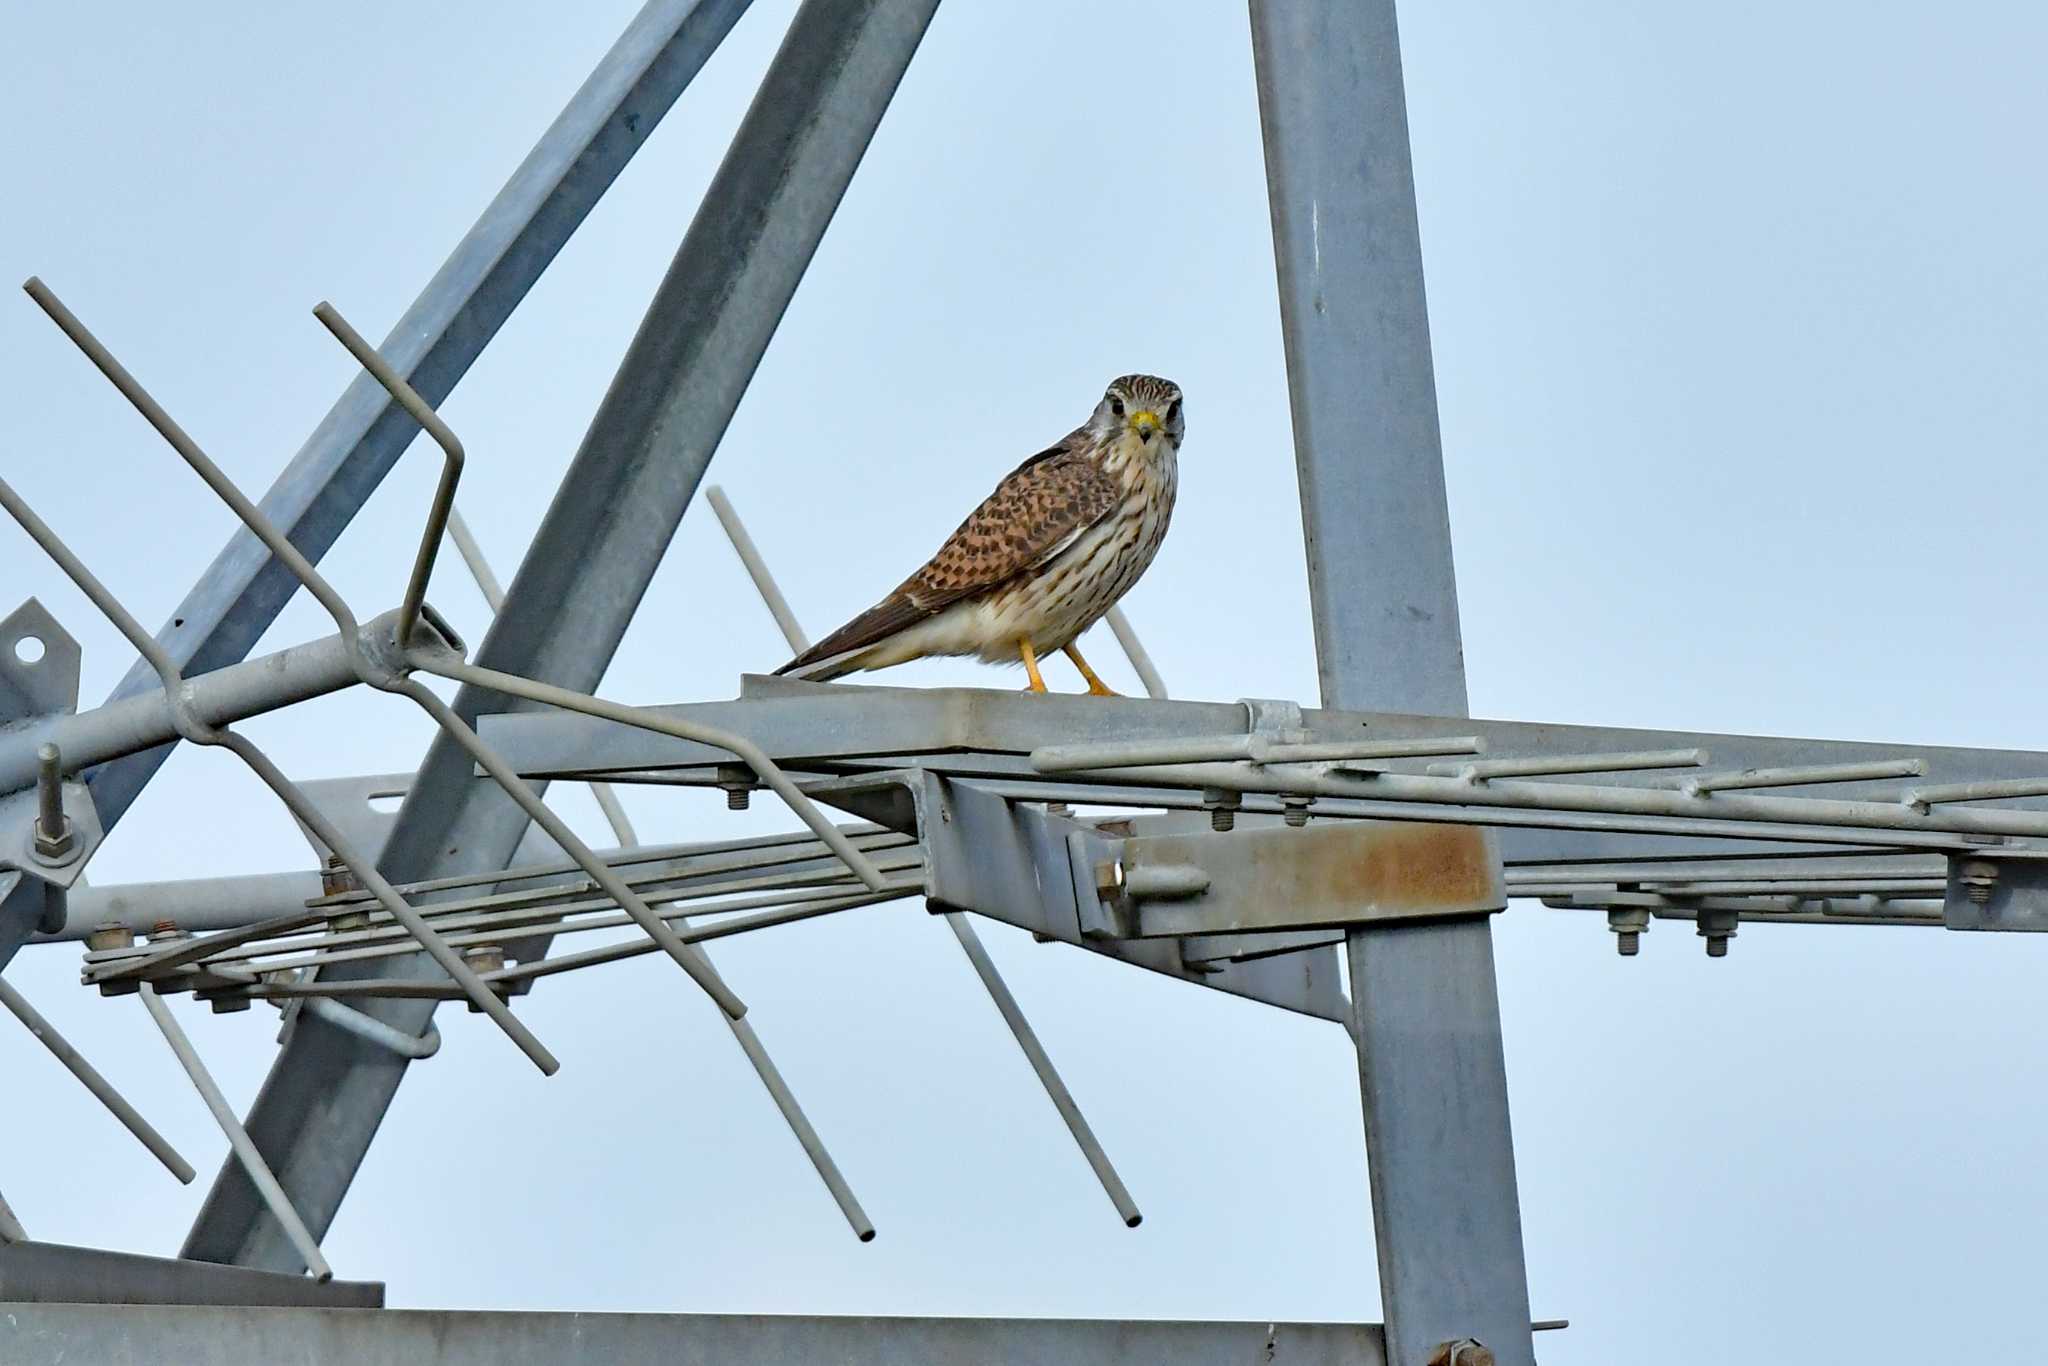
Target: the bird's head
pixel 1143 406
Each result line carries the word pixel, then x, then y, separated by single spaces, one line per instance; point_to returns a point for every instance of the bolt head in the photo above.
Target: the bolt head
pixel 1109 879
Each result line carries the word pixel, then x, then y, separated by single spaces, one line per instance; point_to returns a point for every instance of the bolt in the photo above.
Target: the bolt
pixel 54 842
pixel 228 1005
pixel 1628 924
pixel 1294 810
pixel 1717 928
pixel 109 936
pixel 336 879
pixel 738 783
pixel 165 930
pixel 1463 1352
pixel 1222 808
pixel 1109 879
pixel 483 960
pixel 1979 877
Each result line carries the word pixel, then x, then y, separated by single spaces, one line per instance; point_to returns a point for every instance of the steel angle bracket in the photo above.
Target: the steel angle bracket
pixel 1019 864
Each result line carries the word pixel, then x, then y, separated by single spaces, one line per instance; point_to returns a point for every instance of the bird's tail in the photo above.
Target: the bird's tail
pixel 812 669
pixel 850 648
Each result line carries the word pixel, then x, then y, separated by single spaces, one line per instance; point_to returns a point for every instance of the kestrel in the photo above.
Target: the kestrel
pixel 1064 536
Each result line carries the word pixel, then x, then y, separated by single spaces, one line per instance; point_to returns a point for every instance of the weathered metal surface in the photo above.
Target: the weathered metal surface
pixel 1989 893
pixel 77 1284
pixel 1012 863
pixel 46 1335
pixel 1337 873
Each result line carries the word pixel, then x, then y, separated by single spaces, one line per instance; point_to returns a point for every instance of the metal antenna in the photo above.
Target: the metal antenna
pixel 742 1029
pixel 970 941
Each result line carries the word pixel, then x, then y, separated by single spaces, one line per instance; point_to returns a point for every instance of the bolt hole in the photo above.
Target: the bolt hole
pixel 29 649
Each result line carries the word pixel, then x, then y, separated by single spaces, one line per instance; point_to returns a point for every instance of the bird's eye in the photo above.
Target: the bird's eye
pixel 1173 410
pixel 1116 405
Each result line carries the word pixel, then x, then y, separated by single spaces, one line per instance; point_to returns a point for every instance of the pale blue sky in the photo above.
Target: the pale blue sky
pixel 1738 317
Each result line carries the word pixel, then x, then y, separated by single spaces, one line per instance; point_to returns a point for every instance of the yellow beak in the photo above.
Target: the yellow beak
pixel 1145 422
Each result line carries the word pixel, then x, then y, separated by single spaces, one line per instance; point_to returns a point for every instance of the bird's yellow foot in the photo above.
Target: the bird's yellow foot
pixel 1096 687
pixel 1030 658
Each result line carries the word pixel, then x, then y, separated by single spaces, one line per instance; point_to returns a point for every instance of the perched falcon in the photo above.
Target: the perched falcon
pixel 1060 540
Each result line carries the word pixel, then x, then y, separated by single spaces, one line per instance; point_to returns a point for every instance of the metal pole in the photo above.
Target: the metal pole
pixel 597 548
pixel 245 1151
pixel 1376 525
pixel 433 345
pixel 102 1089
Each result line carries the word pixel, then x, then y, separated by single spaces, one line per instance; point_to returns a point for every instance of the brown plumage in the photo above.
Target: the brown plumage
pixel 1063 536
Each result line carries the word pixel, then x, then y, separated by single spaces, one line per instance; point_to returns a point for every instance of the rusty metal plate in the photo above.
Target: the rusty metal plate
pixel 1333 873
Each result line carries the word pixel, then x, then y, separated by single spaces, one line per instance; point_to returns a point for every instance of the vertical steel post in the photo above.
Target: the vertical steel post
pixel 1377 531
pixel 598 547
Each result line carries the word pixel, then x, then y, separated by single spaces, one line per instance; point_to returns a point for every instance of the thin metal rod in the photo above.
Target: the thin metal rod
pixel 1786 812
pixel 1041 1063
pixel 494 598
pixel 1805 774
pixel 252 1161
pixel 757 569
pixel 1936 794
pixel 806 1136
pixel 1134 650
pixel 572 844
pixel 192 728
pixel 451 466
pixel 154 414
pixel 984 966
pixel 89 1076
pixel 444 716
pixel 1536 765
pixel 1258 749
pixel 446 665
pixel 404 1044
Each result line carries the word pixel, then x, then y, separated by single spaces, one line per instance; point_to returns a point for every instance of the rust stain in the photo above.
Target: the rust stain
pixel 1399 867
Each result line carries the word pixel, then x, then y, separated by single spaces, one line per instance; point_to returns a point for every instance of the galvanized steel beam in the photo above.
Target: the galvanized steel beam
pixel 45 1335
pixel 598 547
pixel 1385 607
pixel 82 1282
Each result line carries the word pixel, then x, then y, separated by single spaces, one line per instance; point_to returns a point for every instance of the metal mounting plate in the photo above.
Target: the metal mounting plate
pixel 1339 873
pixel 46 684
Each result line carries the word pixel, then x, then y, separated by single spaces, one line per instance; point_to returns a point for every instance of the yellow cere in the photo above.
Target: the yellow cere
pixel 1145 419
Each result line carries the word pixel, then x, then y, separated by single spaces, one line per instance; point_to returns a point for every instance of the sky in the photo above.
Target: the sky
pixel 1737 317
